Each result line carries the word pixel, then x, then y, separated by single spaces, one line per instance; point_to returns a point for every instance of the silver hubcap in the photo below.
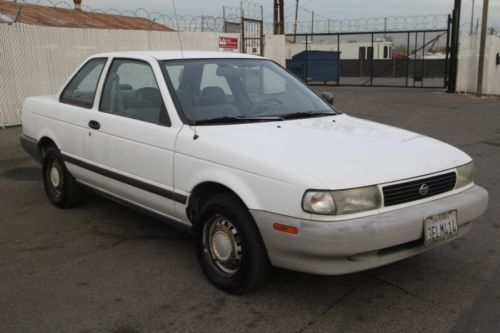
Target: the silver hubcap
pixel 223 245
pixel 55 178
pixel 55 175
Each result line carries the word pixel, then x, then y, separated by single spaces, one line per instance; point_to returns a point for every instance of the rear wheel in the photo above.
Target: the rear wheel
pixel 229 246
pixel 61 188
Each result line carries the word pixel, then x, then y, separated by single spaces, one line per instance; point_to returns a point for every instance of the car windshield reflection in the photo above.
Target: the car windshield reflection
pixel 227 91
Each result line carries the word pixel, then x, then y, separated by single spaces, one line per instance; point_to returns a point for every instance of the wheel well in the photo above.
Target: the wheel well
pixel 43 144
pixel 201 193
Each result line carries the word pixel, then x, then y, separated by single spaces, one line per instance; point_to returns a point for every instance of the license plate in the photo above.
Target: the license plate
pixel 440 227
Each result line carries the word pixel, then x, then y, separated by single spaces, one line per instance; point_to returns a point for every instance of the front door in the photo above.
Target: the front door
pixel 131 140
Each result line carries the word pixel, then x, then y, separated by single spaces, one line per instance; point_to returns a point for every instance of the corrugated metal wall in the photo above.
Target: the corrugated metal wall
pixel 36 60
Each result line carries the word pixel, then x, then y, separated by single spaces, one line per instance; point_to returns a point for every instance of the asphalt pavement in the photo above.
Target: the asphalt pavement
pixel 101 267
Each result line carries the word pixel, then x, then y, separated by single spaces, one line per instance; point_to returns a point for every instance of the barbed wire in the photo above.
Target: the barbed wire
pixel 253 10
pixel 421 22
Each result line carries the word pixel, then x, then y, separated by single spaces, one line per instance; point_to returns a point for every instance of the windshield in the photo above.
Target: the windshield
pixel 224 91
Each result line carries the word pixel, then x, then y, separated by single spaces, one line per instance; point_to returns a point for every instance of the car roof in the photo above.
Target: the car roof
pixel 177 55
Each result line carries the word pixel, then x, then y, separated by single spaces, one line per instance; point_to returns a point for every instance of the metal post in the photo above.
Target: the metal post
pixel 415 57
pixel 282 17
pixel 261 30
pixel 407 59
pixel 423 62
pixel 275 16
pixel 307 60
pixel 455 35
pixel 472 18
pixel 242 25
pixel 447 52
pixel 385 27
pixel 295 23
pixel 371 63
pixel 312 26
pixel 338 59
pixel 202 23
pixel 482 47
pixel 224 18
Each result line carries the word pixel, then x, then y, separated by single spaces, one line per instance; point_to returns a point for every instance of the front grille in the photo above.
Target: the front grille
pixel 411 191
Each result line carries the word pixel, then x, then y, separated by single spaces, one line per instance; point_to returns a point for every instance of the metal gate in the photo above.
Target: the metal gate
pixel 252 36
pixel 413 58
pixel 249 21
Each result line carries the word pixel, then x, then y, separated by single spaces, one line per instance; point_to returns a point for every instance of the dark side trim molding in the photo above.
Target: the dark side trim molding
pixel 127 180
pixel 30 145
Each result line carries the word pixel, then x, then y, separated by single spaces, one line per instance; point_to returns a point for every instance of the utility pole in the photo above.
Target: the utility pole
pixel 295 23
pixel 482 46
pixel 472 18
pixel 282 17
pixel 279 17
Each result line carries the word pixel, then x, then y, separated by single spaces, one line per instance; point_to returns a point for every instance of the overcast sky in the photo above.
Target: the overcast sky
pixel 335 9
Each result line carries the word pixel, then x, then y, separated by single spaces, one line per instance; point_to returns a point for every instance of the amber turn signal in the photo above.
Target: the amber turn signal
pixel 285 228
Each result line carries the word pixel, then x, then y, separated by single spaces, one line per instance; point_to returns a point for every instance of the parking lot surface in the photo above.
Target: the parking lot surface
pixel 101 267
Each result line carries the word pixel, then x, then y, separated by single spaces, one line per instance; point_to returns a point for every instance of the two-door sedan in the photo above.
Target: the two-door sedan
pixel 264 171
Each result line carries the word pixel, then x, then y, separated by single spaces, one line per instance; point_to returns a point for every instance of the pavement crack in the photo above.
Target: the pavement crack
pixel 489 219
pixel 490 143
pixel 403 290
pixel 337 301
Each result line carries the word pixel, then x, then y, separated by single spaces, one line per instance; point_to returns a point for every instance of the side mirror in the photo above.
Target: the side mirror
pixel 328 97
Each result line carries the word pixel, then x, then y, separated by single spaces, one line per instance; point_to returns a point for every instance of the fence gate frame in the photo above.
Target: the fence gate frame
pixel 248 21
pixel 449 71
pixel 252 33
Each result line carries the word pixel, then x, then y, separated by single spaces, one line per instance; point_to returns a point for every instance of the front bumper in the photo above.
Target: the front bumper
pixel 358 244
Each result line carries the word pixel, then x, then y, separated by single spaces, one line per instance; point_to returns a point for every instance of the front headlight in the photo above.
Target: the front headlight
pixel 341 202
pixel 465 175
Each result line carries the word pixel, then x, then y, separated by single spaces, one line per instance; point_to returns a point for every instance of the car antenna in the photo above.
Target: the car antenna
pixel 196 136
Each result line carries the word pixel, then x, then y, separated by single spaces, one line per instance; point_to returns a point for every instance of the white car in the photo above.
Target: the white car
pixel 260 168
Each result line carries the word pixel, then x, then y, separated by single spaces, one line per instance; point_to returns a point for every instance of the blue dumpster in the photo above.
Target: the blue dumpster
pixel 315 65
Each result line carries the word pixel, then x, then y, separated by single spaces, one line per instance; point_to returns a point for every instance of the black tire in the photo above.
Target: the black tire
pixel 230 218
pixel 61 187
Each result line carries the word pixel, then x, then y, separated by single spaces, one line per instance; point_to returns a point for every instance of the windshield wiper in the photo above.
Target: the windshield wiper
pixel 307 114
pixel 234 119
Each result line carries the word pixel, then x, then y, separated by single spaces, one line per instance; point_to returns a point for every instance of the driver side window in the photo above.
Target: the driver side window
pixel 131 91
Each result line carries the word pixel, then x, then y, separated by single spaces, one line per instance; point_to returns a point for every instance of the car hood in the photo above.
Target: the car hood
pixel 334 152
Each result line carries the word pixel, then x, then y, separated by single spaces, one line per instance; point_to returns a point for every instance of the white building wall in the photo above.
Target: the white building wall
pixel 468 65
pixel 36 60
pixel 274 48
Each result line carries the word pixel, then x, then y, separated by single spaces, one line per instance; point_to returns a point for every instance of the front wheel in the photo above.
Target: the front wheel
pixel 229 246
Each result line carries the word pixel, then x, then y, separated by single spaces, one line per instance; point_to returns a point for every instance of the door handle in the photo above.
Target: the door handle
pixel 94 124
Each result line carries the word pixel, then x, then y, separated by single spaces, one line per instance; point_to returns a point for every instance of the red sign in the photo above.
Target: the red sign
pixel 228 43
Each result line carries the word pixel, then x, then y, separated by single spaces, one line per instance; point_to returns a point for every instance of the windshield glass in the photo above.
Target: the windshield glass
pixel 236 90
